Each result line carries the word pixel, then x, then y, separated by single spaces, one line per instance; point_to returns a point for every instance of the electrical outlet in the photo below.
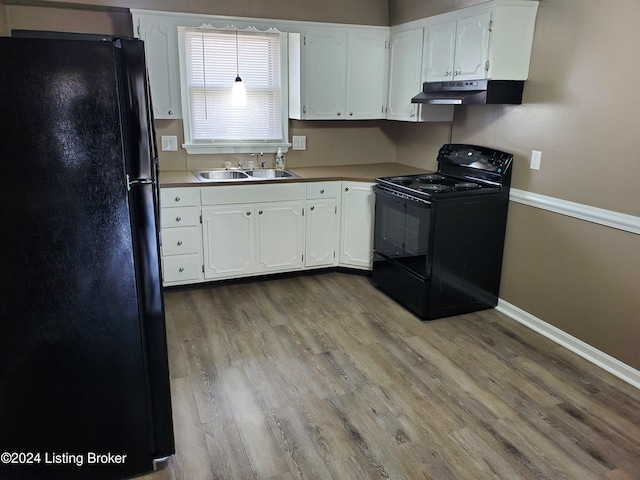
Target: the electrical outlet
pixel 169 143
pixel 299 142
pixel 536 157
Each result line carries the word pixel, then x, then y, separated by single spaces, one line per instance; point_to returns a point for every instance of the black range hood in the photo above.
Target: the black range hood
pixel 471 92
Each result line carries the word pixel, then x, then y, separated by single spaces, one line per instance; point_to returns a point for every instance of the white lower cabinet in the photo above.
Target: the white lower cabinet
pixel 246 230
pixel 244 239
pixel 181 236
pixel 229 234
pixel 322 224
pixel 280 236
pixel 356 226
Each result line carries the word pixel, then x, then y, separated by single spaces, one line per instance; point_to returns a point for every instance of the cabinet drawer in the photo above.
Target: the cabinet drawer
pixel 179 217
pixel 179 197
pixel 180 241
pixel 182 267
pixel 234 194
pixel 317 190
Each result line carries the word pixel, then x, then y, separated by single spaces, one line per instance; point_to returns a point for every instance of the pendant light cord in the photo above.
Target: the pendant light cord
pixel 204 78
pixel 237 60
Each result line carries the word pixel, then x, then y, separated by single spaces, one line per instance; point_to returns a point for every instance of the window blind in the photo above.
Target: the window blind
pixel 211 65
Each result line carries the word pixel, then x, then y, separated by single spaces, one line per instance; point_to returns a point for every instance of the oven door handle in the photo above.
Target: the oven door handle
pixel 379 189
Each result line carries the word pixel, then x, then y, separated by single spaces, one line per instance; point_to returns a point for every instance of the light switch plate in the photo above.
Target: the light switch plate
pixel 169 143
pixel 299 142
pixel 536 157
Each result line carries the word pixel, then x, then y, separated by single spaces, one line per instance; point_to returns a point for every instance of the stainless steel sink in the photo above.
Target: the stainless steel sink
pixel 217 175
pixel 243 175
pixel 268 173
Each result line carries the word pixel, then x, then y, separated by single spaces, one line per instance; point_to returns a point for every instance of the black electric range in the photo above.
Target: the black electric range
pixel 439 237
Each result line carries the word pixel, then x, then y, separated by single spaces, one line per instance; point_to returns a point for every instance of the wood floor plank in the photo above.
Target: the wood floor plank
pixel 265 457
pixel 226 451
pixel 324 377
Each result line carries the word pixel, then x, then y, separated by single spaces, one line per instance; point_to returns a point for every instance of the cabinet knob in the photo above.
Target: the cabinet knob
pixel 412 114
pixel 248 213
pixel 322 191
pixel 447 73
pixel 456 73
pixel 260 212
pixel 178 219
pixel 179 243
pixel 177 199
pixel 351 114
pixel 181 269
pixel 339 114
pixel 170 112
pixel 312 208
pixel 346 189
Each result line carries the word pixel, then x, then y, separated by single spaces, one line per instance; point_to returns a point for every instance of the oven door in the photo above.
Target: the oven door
pixel 402 230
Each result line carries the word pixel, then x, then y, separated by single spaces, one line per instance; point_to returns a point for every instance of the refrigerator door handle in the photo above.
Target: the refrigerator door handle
pixel 143 181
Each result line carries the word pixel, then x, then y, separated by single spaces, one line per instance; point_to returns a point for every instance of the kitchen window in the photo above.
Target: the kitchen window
pixel 210 59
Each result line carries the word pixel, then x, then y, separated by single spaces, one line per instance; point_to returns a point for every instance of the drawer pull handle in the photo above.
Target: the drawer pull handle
pixel 179 243
pixel 181 269
pixel 177 199
pixel 178 219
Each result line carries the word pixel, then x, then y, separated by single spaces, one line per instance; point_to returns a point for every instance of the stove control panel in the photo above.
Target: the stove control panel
pixel 473 156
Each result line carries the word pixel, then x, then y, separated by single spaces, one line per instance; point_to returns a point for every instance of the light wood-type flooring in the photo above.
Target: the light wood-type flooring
pixel 324 377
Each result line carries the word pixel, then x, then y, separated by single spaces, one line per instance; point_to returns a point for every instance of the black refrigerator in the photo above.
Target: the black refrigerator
pixel 84 377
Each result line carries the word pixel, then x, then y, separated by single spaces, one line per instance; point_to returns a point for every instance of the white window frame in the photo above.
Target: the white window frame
pixel 193 146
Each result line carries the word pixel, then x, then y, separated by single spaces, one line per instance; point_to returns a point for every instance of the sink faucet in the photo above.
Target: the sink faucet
pixel 241 164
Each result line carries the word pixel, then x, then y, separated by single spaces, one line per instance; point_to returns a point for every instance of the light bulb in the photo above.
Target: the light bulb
pixel 238 93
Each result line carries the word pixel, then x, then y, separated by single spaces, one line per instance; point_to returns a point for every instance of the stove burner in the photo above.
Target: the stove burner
pixel 434 187
pixel 430 178
pixel 401 180
pixel 466 186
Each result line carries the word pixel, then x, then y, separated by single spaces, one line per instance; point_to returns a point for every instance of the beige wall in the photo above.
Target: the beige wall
pixel 402 11
pixel 365 12
pixel 580 110
pixel 4 27
pixel 328 143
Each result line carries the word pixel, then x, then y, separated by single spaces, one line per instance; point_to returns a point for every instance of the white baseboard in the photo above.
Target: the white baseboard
pixel 586 351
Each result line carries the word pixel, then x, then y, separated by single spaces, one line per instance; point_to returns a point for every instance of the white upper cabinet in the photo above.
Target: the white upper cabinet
pixel 491 41
pixel 160 37
pixel 439 52
pixel 338 74
pixel 471 59
pixel 458 50
pixel 367 64
pixel 405 81
pixel 404 74
pixel 326 74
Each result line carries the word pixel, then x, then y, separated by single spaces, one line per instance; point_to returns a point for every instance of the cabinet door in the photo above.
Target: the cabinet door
pixel 404 75
pixel 356 245
pixel 439 52
pixel 472 47
pixel 322 232
pixel 367 70
pixel 280 231
pixel 229 236
pixel 326 67
pixel 161 51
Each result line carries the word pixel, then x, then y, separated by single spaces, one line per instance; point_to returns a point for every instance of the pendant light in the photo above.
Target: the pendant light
pixel 239 92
